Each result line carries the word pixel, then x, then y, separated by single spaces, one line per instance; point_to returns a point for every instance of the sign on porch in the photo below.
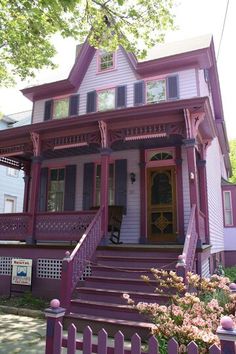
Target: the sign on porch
pixel 21 271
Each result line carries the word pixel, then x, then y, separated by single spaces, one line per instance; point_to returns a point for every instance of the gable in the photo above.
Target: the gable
pixel 123 74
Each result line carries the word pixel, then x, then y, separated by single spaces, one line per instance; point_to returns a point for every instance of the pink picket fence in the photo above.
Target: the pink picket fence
pixel 56 340
pixel 119 346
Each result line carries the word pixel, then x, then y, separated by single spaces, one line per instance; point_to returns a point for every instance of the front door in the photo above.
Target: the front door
pixel 161 203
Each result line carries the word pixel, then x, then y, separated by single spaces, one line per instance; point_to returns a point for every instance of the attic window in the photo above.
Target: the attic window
pixel 106 61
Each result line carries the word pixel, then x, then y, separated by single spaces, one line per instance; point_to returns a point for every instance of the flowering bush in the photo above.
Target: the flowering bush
pixel 190 315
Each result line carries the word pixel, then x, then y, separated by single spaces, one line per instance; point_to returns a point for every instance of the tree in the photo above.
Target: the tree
pixel 232 156
pixel 26 27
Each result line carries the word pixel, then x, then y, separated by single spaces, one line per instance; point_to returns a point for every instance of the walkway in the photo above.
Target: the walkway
pixel 20 334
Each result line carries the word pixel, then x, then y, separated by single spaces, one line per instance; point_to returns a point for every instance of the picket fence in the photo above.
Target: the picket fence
pixel 87 346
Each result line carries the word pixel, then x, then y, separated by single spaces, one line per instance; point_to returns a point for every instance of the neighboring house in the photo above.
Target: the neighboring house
pixel 145 136
pixel 11 180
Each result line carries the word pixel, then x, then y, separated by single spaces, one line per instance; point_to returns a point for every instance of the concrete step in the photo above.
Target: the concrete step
pixel 112 326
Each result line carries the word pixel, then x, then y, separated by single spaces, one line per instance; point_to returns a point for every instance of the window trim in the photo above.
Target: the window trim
pixel 53 106
pixel 113 88
pixel 231 208
pixel 99 71
pixel 10 197
pixel 56 167
pixel 12 175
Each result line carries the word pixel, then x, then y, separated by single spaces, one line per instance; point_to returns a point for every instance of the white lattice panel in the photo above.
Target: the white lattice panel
pixel 49 268
pixel 5 265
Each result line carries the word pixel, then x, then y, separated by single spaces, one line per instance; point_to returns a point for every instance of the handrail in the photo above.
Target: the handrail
pixel 186 259
pixel 73 264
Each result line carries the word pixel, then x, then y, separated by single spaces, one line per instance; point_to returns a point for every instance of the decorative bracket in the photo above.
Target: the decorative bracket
pixel 36 143
pixel 192 122
pixel 104 134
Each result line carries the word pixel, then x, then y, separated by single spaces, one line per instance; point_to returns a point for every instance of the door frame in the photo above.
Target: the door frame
pixel 145 163
pixel 169 237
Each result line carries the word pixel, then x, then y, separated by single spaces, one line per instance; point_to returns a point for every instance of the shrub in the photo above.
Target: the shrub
pixel 190 315
pixel 230 273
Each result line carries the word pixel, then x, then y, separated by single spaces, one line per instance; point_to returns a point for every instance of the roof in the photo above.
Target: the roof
pixel 178 47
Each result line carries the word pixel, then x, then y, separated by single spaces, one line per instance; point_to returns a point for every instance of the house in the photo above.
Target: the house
pixel 11 180
pixel 147 136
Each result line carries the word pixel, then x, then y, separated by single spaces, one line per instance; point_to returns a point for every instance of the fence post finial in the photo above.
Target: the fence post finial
pixel 53 315
pixel 227 335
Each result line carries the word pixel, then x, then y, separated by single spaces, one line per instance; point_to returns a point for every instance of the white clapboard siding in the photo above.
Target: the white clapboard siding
pixel 206 268
pixel 122 75
pixel 130 231
pixel 186 194
pixel 12 187
pixel 213 168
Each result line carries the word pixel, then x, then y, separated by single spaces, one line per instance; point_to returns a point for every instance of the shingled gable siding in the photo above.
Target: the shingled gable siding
pixel 131 225
pixel 215 196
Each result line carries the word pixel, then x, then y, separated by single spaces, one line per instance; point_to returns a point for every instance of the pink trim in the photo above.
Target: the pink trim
pixel 147 136
pixel 67 146
pixel 104 189
pixel 231 208
pixel 98 70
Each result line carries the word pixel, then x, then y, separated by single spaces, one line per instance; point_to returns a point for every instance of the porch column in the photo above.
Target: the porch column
pixel 203 195
pixel 143 206
pixel 180 204
pixel 193 180
pixel 26 179
pixel 105 159
pixel 35 181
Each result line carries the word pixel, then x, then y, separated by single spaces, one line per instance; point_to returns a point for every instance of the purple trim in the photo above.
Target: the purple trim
pixel 143 202
pixel 179 194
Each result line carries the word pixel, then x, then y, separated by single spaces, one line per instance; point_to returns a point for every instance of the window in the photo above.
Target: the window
pixel 9 204
pixel 56 189
pixel 156 91
pixel 106 99
pixel 111 191
pixel 228 209
pixel 12 172
pixel 106 60
pixel 61 108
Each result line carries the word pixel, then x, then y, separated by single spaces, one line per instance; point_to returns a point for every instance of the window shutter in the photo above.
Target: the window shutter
pixel 43 189
pixel 139 93
pixel 88 188
pixel 70 186
pixel 74 105
pixel 121 96
pixel 121 183
pixel 172 87
pixel 48 110
pixel 91 101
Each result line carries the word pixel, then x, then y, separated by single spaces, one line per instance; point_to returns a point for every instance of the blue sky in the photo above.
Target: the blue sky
pixel 193 18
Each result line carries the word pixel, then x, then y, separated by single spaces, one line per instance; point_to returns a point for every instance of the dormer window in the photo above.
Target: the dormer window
pixel 106 61
pixel 61 108
pixel 156 91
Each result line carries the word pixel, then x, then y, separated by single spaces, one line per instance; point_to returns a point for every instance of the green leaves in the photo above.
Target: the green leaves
pixel 26 27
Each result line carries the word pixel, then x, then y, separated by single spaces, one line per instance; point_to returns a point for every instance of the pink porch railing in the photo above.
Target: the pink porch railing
pixel 66 226
pixel 186 259
pixel 73 265
pixel 15 227
pixel 55 340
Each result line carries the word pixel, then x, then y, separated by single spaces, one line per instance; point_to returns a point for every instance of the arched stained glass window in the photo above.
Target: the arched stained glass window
pixel 160 156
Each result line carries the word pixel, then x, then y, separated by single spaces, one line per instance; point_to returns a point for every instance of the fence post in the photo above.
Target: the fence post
pixel 181 267
pixel 227 335
pixel 53 314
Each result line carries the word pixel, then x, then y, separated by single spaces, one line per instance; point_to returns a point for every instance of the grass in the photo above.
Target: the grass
pixel 27 300
pixel 230 273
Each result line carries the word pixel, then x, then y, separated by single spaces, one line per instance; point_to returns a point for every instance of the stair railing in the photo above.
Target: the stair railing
pixel 73 265
pixel 186 259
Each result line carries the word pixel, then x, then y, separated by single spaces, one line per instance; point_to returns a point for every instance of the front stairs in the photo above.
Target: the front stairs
pixel 116 270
